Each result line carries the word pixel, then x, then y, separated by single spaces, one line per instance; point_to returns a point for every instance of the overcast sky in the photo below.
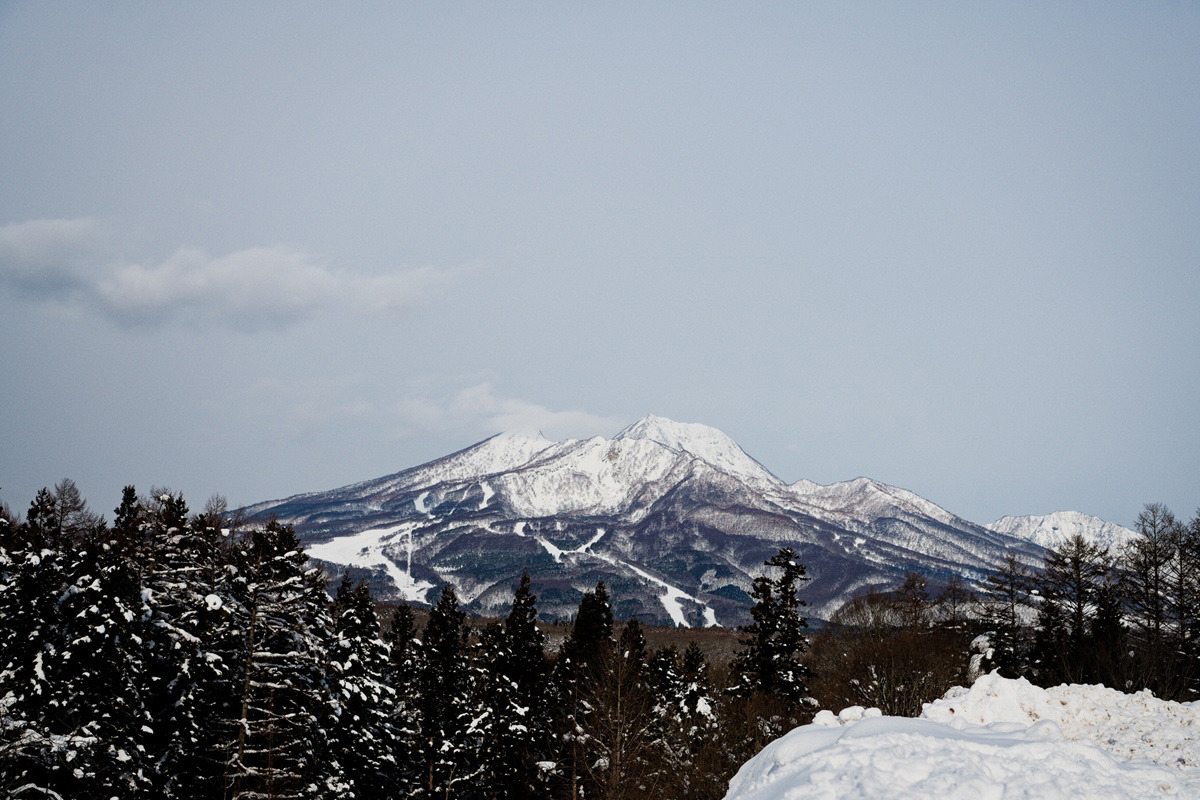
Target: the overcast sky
pixel 280 248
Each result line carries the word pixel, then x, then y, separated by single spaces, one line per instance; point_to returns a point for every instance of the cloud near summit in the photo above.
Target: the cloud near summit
pixel 65 263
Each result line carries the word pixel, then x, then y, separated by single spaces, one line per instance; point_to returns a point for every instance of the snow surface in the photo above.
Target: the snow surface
pixel 866 500
pixel 998 740
pixel 704 442
pixel 1054 530
pixel 671 600
pixel 366 549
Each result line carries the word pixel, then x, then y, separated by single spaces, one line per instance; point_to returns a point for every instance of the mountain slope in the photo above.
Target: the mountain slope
pixel 675 517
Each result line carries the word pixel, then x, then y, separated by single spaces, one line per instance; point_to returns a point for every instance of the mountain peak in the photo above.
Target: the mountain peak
pixel 1054 530
pixel 701 441
pixel 668 432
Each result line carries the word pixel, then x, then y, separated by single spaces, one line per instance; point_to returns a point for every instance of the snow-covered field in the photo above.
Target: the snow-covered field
pixel 998 740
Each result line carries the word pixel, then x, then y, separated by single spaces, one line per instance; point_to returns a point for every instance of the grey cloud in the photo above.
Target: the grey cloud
pixel 45 258
pixel 255 288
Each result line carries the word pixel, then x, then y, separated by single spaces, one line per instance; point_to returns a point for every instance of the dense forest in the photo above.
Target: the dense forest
pixel 179 654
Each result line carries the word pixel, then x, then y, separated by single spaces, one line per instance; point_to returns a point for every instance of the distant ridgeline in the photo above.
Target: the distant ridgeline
pixel 675 518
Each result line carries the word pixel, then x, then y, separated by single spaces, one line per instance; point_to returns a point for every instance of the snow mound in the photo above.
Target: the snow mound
pixel 1127 725
pixel 1000 739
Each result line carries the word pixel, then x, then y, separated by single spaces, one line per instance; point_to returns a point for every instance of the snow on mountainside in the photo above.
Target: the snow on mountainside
pixel 865 499
pixel 675 517
pixel 999 739
pixel 1054 530
pixel 707 444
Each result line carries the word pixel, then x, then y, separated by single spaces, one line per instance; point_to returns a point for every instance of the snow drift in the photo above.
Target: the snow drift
pixel 999 739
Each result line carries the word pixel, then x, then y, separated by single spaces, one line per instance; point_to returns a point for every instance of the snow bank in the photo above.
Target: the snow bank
pixel 1127 725
pixel 998 740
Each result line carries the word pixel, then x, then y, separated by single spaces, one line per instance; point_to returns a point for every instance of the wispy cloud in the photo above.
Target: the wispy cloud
pixel 481 410
pixel 63 262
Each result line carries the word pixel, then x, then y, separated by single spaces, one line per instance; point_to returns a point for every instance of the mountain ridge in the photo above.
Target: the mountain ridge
pixel 676 517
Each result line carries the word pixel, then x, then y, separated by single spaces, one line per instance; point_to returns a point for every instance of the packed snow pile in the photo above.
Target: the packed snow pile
pixel 1128 725
pixel 1000 739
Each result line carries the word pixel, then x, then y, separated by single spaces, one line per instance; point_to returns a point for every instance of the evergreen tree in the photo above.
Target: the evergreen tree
pixel 128 522
pixel 42 526
pixel 98 679
pixel 1107 639
pixel 33 577
pixel 404 671
pixel 197 612
pixel 1073 575
pixel 1049 657
pixel 363 740
pixel 447 744
pixel 583 662
pixel 277 744
pixel 514 688
pixel 774 641
pixel 1006 596
pixel 497 718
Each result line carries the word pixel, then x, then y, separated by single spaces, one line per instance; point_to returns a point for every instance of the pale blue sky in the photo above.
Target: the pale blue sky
pixel 259 251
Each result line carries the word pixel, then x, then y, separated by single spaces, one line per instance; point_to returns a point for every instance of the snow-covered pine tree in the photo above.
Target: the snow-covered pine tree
pixel 698 698
pixel 686 731
pixel 404 673
pixel 497 719
pixel 1004 604
pixel 1073 575
pixel 775 640
pixel 277 745
pixel 195 642
pixel 98 678
pixel 514 684
pixel 448 742
pixel 619 728
pixel 32 579
pixel 586 655
pixel 362 740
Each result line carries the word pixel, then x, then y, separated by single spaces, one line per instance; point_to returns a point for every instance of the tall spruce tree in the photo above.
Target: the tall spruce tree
pixel 1004 604
pixel 404 673
pixel 34 576
pixel 1074 574
pixel 277 745
pixel 775 640
pixel 363 739
pixel 515 693
pixel 583 661
pixel 98 679
pixel 448 750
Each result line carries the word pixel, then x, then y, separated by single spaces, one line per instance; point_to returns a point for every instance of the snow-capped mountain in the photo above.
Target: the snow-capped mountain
pixel 1054 530
pixel 675 517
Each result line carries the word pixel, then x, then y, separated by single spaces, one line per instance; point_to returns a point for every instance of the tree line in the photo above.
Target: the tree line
pixel 1129 619
pixel 178 654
